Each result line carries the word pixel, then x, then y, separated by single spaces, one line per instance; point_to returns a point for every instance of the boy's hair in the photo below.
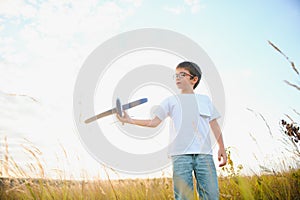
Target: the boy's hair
pixel 193 69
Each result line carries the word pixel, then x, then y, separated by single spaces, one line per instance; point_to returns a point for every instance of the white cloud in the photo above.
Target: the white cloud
pixel 194 5
pixel 67 30
pixel 16 8
pixel 191 2
pixel 60 25
pixel 89 18
pixel 195 9
pixel 6 46
pixel 136 3
pixel 174 10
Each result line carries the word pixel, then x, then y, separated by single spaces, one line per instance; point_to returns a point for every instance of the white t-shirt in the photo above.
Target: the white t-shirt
pixel 189 127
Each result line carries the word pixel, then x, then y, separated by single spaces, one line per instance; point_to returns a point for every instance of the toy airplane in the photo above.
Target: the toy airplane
pixel 118 109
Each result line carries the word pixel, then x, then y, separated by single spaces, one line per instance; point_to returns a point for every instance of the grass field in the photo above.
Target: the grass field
pixel 275 186
pixel 16 184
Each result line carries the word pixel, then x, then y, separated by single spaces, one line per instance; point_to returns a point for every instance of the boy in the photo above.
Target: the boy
pixel 190 147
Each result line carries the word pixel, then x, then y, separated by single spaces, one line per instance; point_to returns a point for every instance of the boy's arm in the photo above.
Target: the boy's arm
pixel 218 135
pixel 139 122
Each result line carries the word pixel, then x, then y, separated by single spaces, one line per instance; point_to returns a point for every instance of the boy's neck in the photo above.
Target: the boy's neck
pixel 188 91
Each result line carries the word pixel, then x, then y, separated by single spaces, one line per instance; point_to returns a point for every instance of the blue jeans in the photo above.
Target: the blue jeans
pixel 205 173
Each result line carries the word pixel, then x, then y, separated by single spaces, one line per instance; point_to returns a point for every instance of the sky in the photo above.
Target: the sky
pixel 43 45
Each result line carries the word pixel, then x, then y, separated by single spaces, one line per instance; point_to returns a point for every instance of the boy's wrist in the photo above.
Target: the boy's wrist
pixel 221 146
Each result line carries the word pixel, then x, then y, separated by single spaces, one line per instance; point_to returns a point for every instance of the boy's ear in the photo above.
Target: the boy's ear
pixel 196 78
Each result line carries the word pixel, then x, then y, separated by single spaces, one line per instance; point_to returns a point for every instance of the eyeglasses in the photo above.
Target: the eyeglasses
pixel 181 75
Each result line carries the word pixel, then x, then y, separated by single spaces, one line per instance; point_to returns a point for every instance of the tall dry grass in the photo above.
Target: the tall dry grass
pixel 289 126
pixel 19 185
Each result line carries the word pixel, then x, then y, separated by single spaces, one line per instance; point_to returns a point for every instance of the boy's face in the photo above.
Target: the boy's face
pixel 184 80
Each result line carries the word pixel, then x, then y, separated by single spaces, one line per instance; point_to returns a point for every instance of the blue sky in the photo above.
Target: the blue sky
pixel 44 43
pixel 235 35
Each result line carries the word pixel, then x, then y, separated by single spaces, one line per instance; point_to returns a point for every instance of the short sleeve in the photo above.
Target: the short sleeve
pixel 162 111
pixel 213 111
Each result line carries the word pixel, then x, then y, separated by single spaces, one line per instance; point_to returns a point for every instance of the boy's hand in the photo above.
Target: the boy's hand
pixel 222 157
pixel 124 119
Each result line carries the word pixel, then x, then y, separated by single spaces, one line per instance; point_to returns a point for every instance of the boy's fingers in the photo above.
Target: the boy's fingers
pixel 222 164
pixel 120 118
pixel 224 160
pixel 219 156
